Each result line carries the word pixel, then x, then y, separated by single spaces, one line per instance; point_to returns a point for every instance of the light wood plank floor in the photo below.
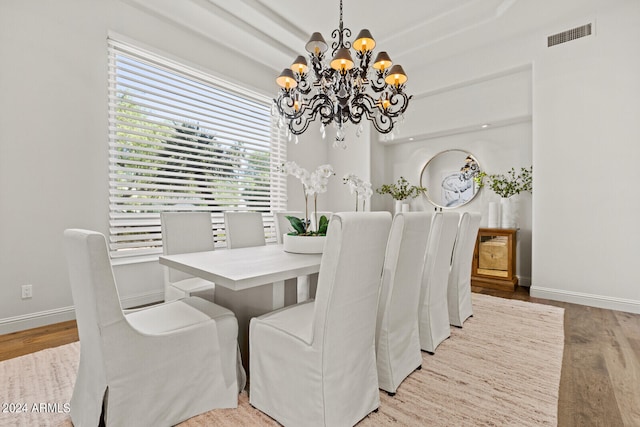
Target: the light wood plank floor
pixel 600 381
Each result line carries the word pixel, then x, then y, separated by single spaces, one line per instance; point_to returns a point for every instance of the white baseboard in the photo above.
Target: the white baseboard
pixel 34 320
pixel 600 301
pixel 63 314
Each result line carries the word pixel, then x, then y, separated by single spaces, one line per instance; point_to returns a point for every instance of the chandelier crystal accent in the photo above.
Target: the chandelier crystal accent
pixel 341 92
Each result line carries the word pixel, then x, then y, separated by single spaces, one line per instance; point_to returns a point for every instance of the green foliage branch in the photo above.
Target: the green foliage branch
pixel 509 184
pixel 401 190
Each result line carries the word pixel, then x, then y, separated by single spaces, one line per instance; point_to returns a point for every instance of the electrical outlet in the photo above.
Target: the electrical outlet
pixel 27 291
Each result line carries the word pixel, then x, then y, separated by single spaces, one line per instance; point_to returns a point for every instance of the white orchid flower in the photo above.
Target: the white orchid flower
pixel 312 183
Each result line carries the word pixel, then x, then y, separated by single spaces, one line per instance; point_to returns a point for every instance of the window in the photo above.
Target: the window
pixel 180 139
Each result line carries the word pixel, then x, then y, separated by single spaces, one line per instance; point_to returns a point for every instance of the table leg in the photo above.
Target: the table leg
pixel 303 288
pixel 248 303
pixel 307 287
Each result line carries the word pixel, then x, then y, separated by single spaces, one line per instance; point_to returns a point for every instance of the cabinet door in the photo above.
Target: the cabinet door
pixel 493 256
pixel 494 259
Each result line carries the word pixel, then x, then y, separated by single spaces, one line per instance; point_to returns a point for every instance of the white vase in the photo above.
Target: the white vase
pixel 406 207
pixel 494 215
pixel 303 244
pixel 509 208
pixel 398 206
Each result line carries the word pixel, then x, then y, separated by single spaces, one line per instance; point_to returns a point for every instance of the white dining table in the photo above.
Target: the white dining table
pixel 249 281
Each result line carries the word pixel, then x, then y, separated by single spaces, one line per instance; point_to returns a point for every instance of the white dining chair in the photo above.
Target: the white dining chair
pixel 186 232
pixel 158 365
pixel 313 364
pixel 244 229
pixel 459 288
pixel 283 225
pixel 397 339
pixel 433 314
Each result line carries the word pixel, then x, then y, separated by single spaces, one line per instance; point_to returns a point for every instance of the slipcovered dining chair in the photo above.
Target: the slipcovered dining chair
pixel 155 366
pixel 283 225
pixel 397 338
pixel 459 289
pixel 313 363
pixel 244 229
pixel 433 314
pixel 186 232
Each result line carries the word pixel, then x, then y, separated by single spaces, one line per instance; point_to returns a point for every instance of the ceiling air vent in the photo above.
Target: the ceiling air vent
pixel 567 36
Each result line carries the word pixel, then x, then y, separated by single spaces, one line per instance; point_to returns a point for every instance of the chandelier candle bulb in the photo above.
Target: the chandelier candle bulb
pixel 342 61
pixel 287 80
pixel 396 76
pixel 382 61
pixel 300 65
pixel 364 41
pixel 316 44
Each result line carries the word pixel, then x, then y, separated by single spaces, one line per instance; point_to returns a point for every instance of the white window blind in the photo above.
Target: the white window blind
pixel 182 140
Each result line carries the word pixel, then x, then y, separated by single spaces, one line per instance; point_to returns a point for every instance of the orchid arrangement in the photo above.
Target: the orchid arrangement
pixel 402 190
pixel 313 183
pixel 361 188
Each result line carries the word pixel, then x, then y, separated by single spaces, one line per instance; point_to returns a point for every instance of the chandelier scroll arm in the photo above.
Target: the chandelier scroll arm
pixel 320 104
pixel 378 84
pixel 365 105
pixel 398 103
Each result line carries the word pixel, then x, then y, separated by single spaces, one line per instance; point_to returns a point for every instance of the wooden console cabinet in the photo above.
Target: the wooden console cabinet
pixel 494 259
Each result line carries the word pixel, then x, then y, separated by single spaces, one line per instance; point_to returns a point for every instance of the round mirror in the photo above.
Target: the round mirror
pixel 448 177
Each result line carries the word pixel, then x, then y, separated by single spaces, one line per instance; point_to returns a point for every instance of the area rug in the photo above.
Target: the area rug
pixel 501 369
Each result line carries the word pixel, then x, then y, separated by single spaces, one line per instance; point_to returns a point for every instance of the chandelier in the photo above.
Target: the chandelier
pixel 341 92
pixel 470 169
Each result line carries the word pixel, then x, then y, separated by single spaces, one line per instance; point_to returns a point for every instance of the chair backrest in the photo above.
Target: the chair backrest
pixel 244 229
pixel 93 287
pixel 459 288
pixel 402 276
pixel 347 292
pixel 185 232
pixel 463 249
pixel 443 251
pixel 283 225
pixel 433 312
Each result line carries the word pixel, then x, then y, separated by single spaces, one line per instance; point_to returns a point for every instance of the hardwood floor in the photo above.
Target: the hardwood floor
pixel 600 381
pixel 32 340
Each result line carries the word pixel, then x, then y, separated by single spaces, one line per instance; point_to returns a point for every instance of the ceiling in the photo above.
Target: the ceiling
pixel 413 32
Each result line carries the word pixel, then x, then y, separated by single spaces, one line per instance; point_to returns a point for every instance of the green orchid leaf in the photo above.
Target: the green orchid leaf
pixel 297 224
pixel 323 224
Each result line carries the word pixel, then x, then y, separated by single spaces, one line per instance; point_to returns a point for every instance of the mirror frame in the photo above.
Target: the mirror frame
pixel 427 193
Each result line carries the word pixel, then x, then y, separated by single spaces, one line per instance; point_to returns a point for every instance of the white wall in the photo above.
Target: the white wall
pixel 53 141
pixel 497 149
pixel 586 143
pixel 584 109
